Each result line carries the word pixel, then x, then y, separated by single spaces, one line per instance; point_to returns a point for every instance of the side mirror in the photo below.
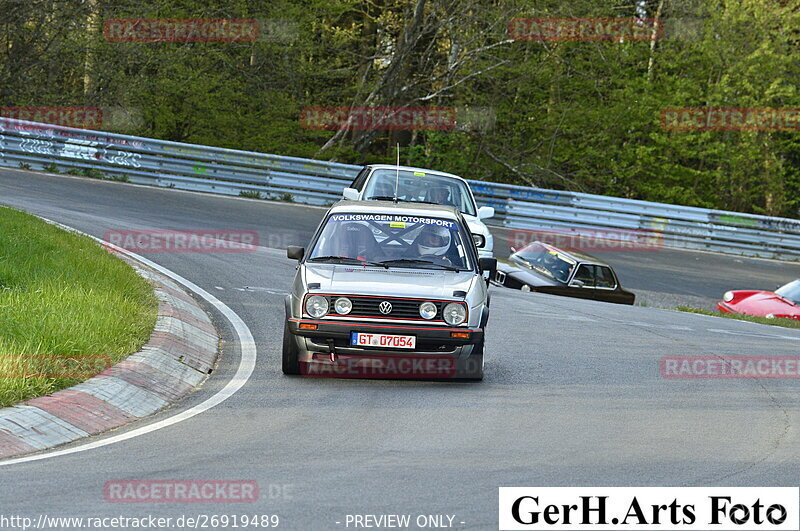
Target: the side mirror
pixel 485 212
pixel 479 240
pixel 488 264
pixel 577 283
pixel 350 193
pixel 295 252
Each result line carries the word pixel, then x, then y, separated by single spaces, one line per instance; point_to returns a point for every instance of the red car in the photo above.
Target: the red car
pixel 783 302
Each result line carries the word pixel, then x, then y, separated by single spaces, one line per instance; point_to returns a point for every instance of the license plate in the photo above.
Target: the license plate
pixel 363 339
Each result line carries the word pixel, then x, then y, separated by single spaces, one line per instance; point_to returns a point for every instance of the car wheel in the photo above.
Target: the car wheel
pixel 290 363
pixel 472 367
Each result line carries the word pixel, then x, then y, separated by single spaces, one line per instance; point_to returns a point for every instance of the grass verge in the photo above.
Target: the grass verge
pixel 786 323
pixel 68 308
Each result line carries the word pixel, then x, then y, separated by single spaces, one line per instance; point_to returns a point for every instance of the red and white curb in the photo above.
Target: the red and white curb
pixel 180 354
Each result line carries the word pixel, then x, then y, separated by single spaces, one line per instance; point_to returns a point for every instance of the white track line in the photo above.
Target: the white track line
pixel 243 373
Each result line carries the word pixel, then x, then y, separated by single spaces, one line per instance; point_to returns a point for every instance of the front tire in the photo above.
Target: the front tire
pixel 290 359
pixel 472 368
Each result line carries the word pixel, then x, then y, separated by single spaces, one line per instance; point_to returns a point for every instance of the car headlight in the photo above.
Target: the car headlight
pixel 770 316
pixel 343 306
pixel 454 313
pixel 427 310
pixel 479 240
pixel 316 306
pixel 728 297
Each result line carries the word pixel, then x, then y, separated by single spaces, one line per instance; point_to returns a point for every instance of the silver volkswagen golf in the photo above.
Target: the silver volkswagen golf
pixel 388 290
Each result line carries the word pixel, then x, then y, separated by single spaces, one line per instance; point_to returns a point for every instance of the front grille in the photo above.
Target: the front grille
pixel 401 308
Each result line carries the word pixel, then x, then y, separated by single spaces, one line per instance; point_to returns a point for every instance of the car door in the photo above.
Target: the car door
pixel 583 282
pixel 606 285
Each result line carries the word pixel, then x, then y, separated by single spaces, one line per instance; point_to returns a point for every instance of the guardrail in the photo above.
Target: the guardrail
pixel 232 172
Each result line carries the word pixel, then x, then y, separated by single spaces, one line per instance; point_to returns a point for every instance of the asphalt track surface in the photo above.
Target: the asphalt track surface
pixel 573 395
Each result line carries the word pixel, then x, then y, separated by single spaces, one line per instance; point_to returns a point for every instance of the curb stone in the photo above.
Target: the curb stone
pixel 179 356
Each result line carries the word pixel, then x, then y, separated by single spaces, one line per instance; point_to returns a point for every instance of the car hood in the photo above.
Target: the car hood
pixel 764 302
pixel 528 276
pixel 392 282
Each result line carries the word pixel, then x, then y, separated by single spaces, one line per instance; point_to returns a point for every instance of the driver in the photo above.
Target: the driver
pixel 433 241
pixel 439 195
pixel 559 268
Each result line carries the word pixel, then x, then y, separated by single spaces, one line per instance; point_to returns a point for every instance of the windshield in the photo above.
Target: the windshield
pixel 790 291
pixel 546 261
pixel 418 186
pixel 391 240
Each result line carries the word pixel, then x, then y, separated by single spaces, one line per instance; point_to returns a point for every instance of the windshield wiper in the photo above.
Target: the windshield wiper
pixel 415 261
pixel 391 198
pixel 346 260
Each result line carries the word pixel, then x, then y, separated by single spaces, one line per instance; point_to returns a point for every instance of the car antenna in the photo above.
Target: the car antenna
pixel 397 173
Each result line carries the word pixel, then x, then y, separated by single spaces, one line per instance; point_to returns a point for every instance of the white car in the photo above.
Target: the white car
pixel 377 182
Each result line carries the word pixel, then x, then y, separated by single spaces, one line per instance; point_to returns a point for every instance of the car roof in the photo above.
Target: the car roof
pixel 576 255
pixel 400 208
pixel 413 168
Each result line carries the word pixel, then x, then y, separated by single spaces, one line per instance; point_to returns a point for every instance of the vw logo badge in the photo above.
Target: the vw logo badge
pixel 385 307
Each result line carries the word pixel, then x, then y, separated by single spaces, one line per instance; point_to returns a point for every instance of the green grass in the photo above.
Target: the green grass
pixel 251 194
pixel 64 302
pixel 786 323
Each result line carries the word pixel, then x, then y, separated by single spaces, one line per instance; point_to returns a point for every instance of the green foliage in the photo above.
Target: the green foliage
pixel 251 194
pixel 92 173
pixel 575 115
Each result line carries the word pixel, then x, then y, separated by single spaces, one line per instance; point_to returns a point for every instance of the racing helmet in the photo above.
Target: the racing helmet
pixel 433 240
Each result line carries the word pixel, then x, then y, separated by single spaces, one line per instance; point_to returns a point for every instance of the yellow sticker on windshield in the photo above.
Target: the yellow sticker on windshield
pixel 553 253
pixel 397 224
pixel 419 173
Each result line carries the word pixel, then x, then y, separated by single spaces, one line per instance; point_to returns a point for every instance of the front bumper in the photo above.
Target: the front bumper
pixel 331 340
pixel 724 308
